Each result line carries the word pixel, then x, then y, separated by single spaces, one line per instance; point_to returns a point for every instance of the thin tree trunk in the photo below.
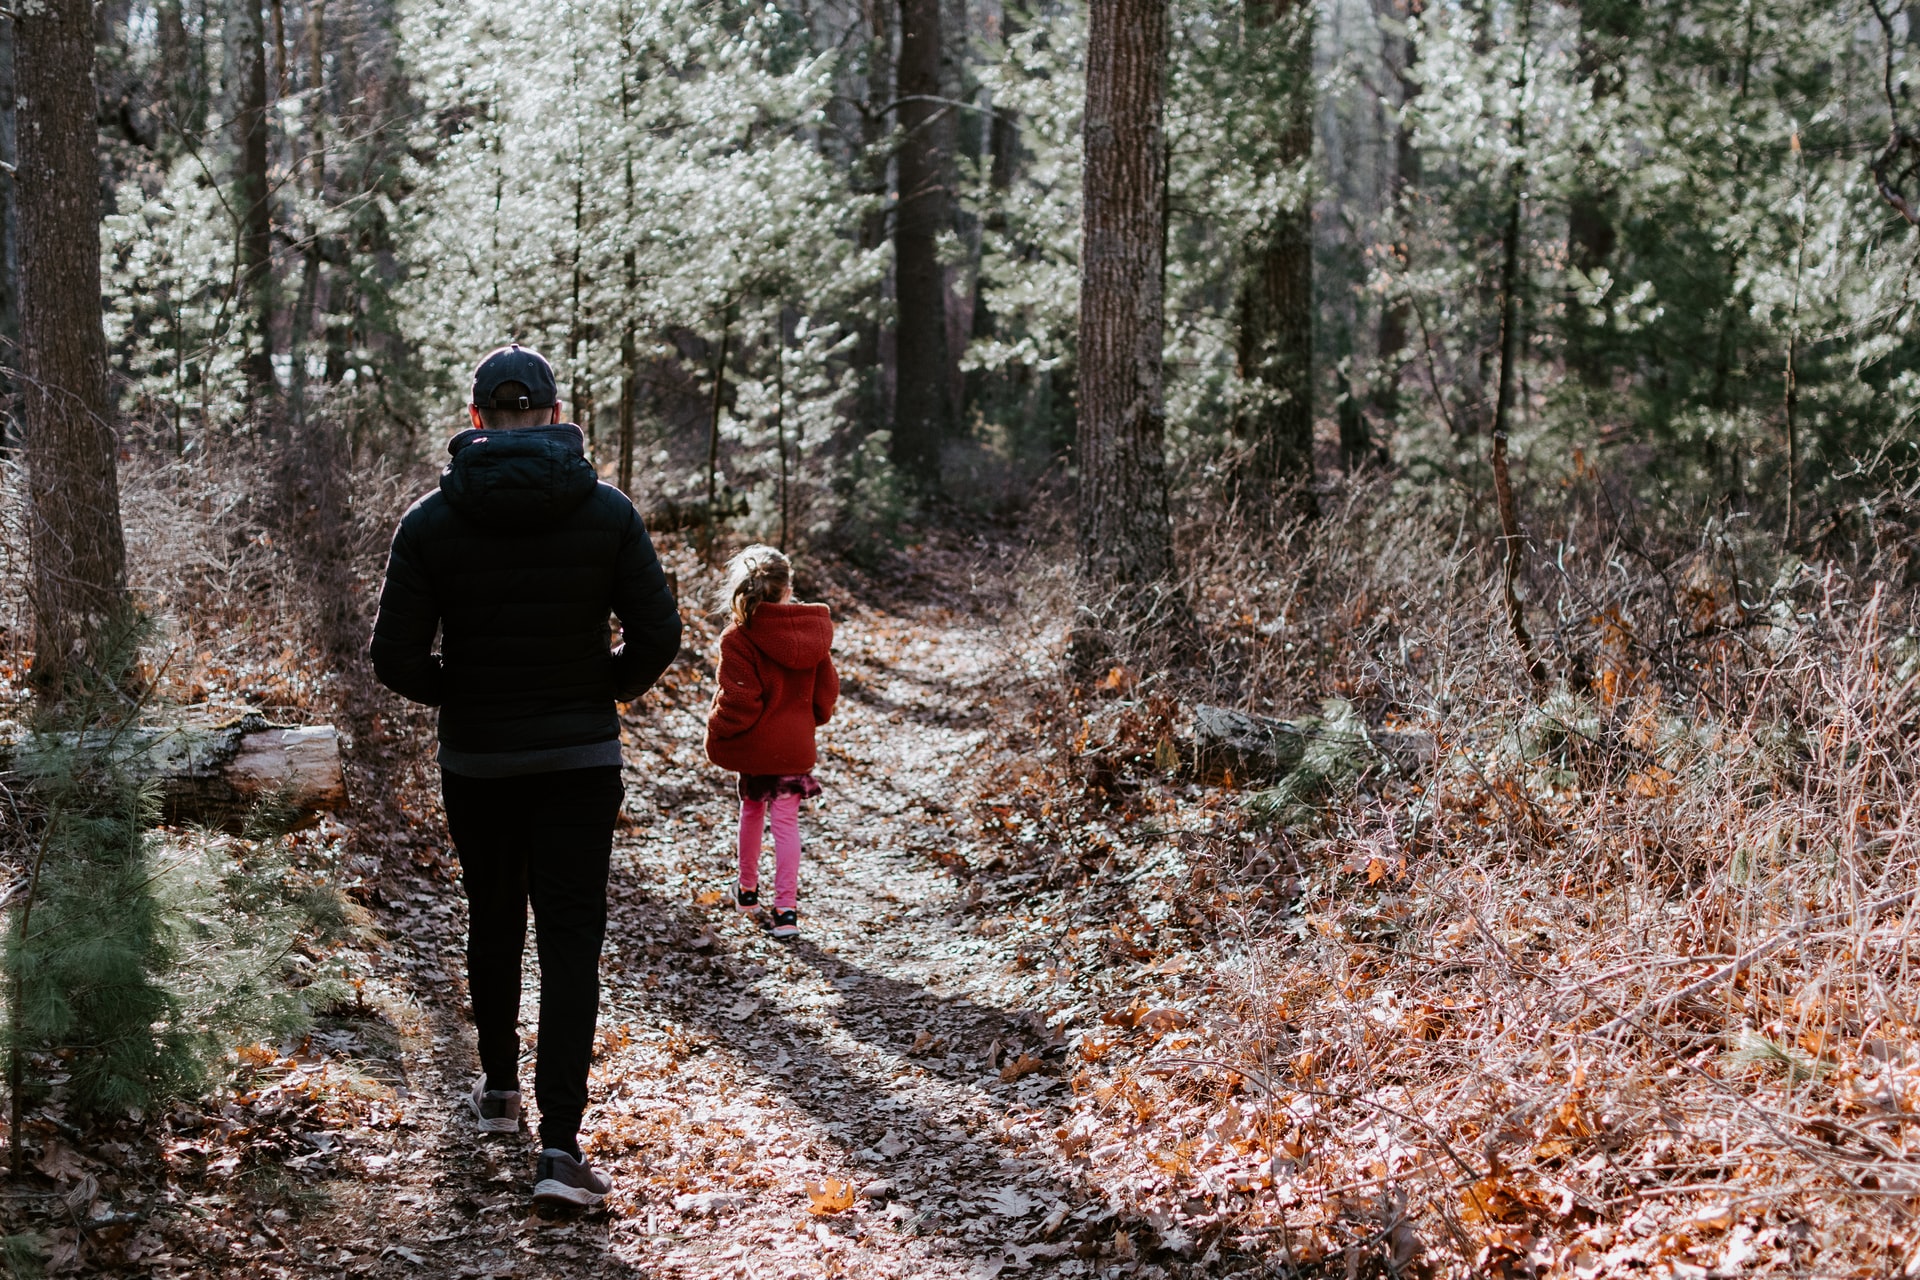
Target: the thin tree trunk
pixel 1394 330
pixel 1511 536
pixel 576 328
pixel 780 409
pixel 629 355
pixel 279 10
pixel 79 552
pixel 251 200
pixel 1276 297
pixel 317 108
pixel 713 432
pixel 1126 538
pixel 922 404
pixel 629 377
pixel 9 223
pixel 1791 391
pixel 871 180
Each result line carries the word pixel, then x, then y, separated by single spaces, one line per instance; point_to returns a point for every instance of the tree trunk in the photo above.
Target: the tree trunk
pixel 79 554
pixel 1512 538
pixel 871 180
pixel 1126 538
pixel 9 223
pixel 1276 297
pixel 1393 333
pixel 183 59
pixel 713 431
pixel 252 199
pixel 213 774
pixel 922 404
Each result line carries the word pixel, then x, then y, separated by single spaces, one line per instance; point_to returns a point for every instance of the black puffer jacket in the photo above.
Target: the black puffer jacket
pixel 517 560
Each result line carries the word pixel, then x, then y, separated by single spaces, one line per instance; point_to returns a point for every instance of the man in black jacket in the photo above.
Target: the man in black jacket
pixel 517 560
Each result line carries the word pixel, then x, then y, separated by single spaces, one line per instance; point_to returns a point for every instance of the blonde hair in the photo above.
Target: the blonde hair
pixel 759 575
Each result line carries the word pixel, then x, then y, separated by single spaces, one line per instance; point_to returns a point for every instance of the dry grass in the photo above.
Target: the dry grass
pixel 1622 985
pixel 1625 984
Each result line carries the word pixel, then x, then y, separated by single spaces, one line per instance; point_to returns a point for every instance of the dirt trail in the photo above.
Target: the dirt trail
pixel 733 1070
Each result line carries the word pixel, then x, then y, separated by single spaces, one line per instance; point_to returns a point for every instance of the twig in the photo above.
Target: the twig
pixel 1746 960
pixel 1255 1077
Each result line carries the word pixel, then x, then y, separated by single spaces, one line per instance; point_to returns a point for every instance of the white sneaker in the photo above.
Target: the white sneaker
pixel 564 1180
pixel 495 1111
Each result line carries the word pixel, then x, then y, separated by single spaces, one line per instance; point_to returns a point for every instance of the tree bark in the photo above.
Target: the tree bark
pixel 9 220
pixel 1276 297
pixel 252 199
pixel 79 553
pixel 717 403
pixel 213 774
pixel 1126 540
pixel 871 180
pixel 1512 537
pixel 923 407
pixel 1394 330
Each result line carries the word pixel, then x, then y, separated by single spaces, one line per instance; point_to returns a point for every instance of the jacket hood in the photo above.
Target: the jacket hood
pixel 525 478
pixel 797 636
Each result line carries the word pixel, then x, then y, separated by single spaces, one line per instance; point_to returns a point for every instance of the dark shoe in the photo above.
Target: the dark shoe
pixel 565 1180
pixel 495 1111
pixel 786 924
pixel 745 899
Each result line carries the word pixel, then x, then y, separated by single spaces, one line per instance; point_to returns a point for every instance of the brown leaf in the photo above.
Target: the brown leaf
pixel 1024 1065
pixel 1093 1050
pixel 59 1161
pixel 829 1196
pixel 63 1251
pixel 1161 1021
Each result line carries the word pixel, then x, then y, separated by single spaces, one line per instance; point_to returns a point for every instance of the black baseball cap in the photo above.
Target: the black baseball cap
pixel 514 364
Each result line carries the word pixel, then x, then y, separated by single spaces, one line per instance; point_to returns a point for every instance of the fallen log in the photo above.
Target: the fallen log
pixel 1234 745
pixel 217 775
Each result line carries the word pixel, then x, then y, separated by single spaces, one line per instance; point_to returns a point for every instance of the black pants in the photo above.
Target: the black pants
pixel 545 837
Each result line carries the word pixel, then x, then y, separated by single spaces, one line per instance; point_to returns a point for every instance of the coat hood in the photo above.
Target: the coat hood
pixel 797 636
pixel 526 478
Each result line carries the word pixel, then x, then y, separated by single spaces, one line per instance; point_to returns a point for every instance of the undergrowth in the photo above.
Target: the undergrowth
pixel 1619 977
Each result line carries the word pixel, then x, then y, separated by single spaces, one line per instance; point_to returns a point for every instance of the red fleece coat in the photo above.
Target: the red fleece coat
pixel 777 683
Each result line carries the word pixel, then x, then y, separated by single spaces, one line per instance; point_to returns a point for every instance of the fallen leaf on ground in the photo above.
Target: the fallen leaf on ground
pixel 1163 1020
pixel 829 1195
pixel 1024 1065
pixel 57 1160
pixel 1011 1202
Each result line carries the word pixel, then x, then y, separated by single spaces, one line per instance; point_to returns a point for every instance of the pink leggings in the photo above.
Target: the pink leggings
pixel 786 847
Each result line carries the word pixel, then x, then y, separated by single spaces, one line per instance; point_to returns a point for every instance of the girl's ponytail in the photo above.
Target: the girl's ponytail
pixel 754 577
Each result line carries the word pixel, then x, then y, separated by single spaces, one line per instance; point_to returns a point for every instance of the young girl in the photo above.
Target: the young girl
pixel 777 684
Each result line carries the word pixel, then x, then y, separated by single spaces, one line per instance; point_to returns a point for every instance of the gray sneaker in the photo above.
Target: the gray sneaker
pixel 493 1110
pixel 564 1180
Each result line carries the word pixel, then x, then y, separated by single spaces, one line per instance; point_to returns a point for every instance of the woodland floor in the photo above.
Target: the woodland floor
pixel 890 1095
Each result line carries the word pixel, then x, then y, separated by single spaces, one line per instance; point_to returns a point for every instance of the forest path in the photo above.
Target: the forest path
pixel 732 1070
pixel 857 1054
